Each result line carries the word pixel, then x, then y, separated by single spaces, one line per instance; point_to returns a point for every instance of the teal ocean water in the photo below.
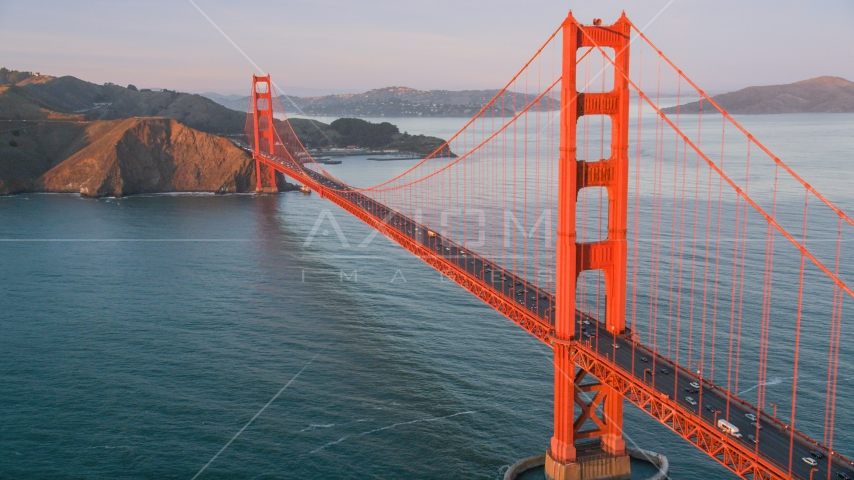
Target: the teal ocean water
pixel 139 335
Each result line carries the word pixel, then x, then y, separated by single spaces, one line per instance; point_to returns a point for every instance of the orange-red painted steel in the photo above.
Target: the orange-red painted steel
pixel 734 456
pixel 683 422
pixel 516 313
pixel 265 134
pixel 608 255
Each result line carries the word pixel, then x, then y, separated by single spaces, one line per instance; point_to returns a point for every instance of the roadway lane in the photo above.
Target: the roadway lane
pixel 772 437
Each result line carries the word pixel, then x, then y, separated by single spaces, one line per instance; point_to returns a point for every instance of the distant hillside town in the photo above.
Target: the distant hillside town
pixel 399 102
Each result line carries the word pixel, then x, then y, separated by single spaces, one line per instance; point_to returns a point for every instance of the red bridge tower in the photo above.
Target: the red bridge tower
pixel 264 141
pixel 563 460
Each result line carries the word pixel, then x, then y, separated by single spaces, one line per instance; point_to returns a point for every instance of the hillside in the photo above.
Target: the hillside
pixel 394 102
pixel 120 157
pixel 38 97
pixel 821 94
pixel 62 134
pixel 12 77
pixel 17 103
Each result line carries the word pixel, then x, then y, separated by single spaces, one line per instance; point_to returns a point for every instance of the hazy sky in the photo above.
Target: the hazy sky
pixel 323 46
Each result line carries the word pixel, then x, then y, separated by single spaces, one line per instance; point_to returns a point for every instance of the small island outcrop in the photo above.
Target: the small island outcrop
pixel 363 134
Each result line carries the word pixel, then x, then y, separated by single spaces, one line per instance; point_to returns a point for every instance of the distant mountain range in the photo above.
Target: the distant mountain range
pixel 821 94
pixel 398 102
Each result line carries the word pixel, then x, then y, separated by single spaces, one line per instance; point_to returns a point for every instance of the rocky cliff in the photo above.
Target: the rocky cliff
pixel 121 157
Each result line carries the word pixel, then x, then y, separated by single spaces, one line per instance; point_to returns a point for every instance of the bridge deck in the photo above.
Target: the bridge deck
pixel 646 378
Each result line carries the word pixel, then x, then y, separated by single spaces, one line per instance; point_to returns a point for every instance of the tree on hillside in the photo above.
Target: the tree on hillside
pixel 11 77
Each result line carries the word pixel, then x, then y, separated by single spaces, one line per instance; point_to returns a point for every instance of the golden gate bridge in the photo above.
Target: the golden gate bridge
pixel 668 259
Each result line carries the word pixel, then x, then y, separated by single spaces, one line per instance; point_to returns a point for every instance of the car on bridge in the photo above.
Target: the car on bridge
pixel 664 371
pixel 810 461
pixel 816 454
pixel 694 384
pixel 750 417
pixel 751 438
pixel 691 401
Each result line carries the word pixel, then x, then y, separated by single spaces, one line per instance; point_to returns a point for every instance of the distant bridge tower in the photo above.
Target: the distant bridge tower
pixel 264 140
pixel 564 460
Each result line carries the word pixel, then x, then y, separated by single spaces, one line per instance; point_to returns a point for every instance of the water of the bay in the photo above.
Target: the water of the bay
pixel 139 335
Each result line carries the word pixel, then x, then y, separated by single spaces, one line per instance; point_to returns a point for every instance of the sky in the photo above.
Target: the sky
pixel 314 47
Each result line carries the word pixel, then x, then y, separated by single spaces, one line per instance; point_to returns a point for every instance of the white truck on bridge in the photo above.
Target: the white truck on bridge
pixel 728 428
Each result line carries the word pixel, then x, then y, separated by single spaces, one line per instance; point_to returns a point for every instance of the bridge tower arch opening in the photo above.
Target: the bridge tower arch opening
pixel 563 460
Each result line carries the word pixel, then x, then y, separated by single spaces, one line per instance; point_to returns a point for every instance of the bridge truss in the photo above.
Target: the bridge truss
pixel 656 248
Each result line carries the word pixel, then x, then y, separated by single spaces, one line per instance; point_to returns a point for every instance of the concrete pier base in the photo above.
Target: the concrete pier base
pixel 591 467
pixel 267 191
